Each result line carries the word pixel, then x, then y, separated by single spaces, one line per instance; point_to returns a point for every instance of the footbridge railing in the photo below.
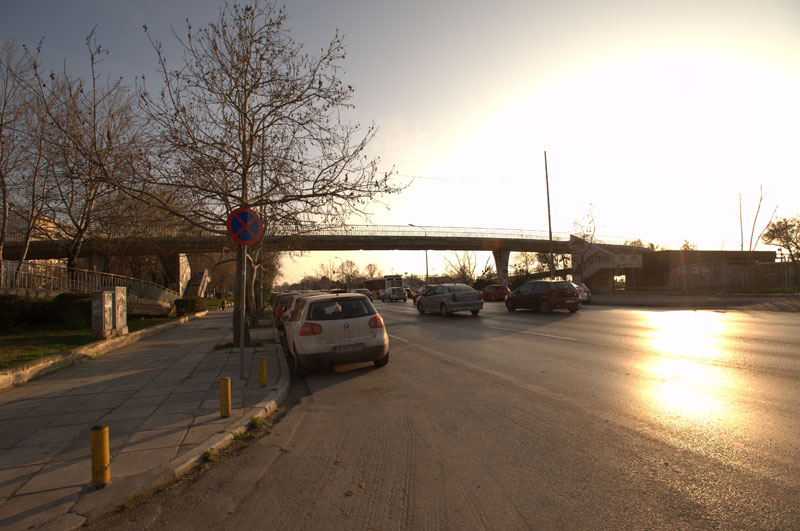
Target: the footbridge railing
pixel 57 278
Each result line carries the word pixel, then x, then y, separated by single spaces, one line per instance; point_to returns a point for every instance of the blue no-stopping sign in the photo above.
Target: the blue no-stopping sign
pixel 244 226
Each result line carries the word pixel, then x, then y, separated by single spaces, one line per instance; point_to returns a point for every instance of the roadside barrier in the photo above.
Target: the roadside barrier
pixel 225 397
pixel 101 458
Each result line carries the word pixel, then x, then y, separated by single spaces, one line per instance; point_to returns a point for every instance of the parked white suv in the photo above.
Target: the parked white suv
pixel 327 330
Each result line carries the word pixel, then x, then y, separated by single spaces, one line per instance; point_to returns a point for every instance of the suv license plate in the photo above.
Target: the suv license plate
pixel 358 347
pixel 569 300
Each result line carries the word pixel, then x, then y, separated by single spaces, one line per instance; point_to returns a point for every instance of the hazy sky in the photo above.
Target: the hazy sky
pixel 657 113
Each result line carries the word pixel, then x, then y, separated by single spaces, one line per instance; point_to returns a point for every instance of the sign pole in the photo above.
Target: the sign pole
pixel 549 225
pixel 245 228
pixel 242 311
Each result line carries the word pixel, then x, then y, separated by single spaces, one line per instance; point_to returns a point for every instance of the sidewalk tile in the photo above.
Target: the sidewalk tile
pixel 12 479
pixel 183 398
pixel 200 433
pixel 51 435
pixel 29 455
pixel 154 439
pixel 23 512
pixel 60 475
pixel 128 463
pixel 171 420
pixel 80 418
pixel 143 401
pixel 123 413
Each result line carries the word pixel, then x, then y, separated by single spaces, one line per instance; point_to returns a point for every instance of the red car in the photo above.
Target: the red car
pixel 282 303
pixel 495 292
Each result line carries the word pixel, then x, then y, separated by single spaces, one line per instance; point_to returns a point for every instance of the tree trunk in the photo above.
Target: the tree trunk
pixel 239 306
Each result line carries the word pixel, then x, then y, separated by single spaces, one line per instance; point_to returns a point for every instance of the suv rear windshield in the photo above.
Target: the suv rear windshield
pixel 340 308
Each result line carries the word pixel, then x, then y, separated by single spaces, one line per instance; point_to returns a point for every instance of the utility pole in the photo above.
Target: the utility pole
pixel 549 224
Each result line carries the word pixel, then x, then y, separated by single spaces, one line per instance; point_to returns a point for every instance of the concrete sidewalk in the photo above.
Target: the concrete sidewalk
pixel 756 302
pixel 160 399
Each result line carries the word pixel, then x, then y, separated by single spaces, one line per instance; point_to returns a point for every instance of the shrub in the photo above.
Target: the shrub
pixel 10 309
pixel 191 305
pixel 74 309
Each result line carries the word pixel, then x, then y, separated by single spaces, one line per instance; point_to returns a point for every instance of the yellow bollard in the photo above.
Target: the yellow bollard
pixel 101 469
pixel 262 372
pixel 225 397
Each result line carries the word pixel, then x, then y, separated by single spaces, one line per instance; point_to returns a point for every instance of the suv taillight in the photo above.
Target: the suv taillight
pixel 376 322
pixel 310 329
pixel 453 297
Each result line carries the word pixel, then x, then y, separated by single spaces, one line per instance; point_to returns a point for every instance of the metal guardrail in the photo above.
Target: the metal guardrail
pixel 52 277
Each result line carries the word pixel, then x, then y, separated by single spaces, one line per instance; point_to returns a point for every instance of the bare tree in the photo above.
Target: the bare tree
pixel 248 118
pixel 15 71
pixel 462 267
pixel 349 272
pixel 95 142
pixel 752 246
pixel 372 271
pixel 524 262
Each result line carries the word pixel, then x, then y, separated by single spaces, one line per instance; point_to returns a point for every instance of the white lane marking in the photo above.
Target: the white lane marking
pixel 532 333
pixel 398 338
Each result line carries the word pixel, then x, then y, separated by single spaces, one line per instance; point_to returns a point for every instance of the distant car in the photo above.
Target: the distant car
pixel 420 291
pixel 545 296
pixel 448 298
pixel 364 291
pixel 394 294
pixel 326 330
pixel 584 292
pixel 495 292
pixel 281 303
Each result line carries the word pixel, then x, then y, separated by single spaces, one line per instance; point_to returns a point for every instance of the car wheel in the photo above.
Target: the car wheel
pixel 383 361
pixel 573 309
pixel 546 307
pixel 475 312
pixel 510 307
pixel 443 309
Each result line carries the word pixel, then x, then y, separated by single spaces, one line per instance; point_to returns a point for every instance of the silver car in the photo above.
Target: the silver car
pixel 448 298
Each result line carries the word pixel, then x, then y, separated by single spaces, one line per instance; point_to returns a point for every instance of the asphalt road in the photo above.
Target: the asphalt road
pixel 605 419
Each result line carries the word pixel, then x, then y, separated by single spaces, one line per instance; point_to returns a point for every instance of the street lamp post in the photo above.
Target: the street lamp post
pixel 425 231
pixel 346 282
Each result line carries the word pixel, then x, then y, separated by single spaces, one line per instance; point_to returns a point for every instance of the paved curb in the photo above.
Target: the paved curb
pixel 19 374
pixel 98 503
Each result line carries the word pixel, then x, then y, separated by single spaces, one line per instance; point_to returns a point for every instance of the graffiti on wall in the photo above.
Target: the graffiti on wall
pixel 694 276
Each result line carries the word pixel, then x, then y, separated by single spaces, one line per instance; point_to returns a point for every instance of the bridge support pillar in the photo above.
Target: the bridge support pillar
pixel 176 266
pixel 501 264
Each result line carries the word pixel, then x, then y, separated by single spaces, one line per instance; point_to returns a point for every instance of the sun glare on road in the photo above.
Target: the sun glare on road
pixel 688 381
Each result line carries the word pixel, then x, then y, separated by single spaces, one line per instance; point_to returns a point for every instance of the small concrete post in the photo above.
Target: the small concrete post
pixel 262 372
pixel 101 470
pixel 102 314
pixel 120 311
pixel 225 397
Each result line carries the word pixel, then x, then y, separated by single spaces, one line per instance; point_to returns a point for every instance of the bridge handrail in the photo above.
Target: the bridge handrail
pixel 56 277
pixel 387 230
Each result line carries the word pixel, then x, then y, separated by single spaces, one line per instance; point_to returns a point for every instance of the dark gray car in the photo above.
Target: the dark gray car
pixel 545 296
pixel 448 298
